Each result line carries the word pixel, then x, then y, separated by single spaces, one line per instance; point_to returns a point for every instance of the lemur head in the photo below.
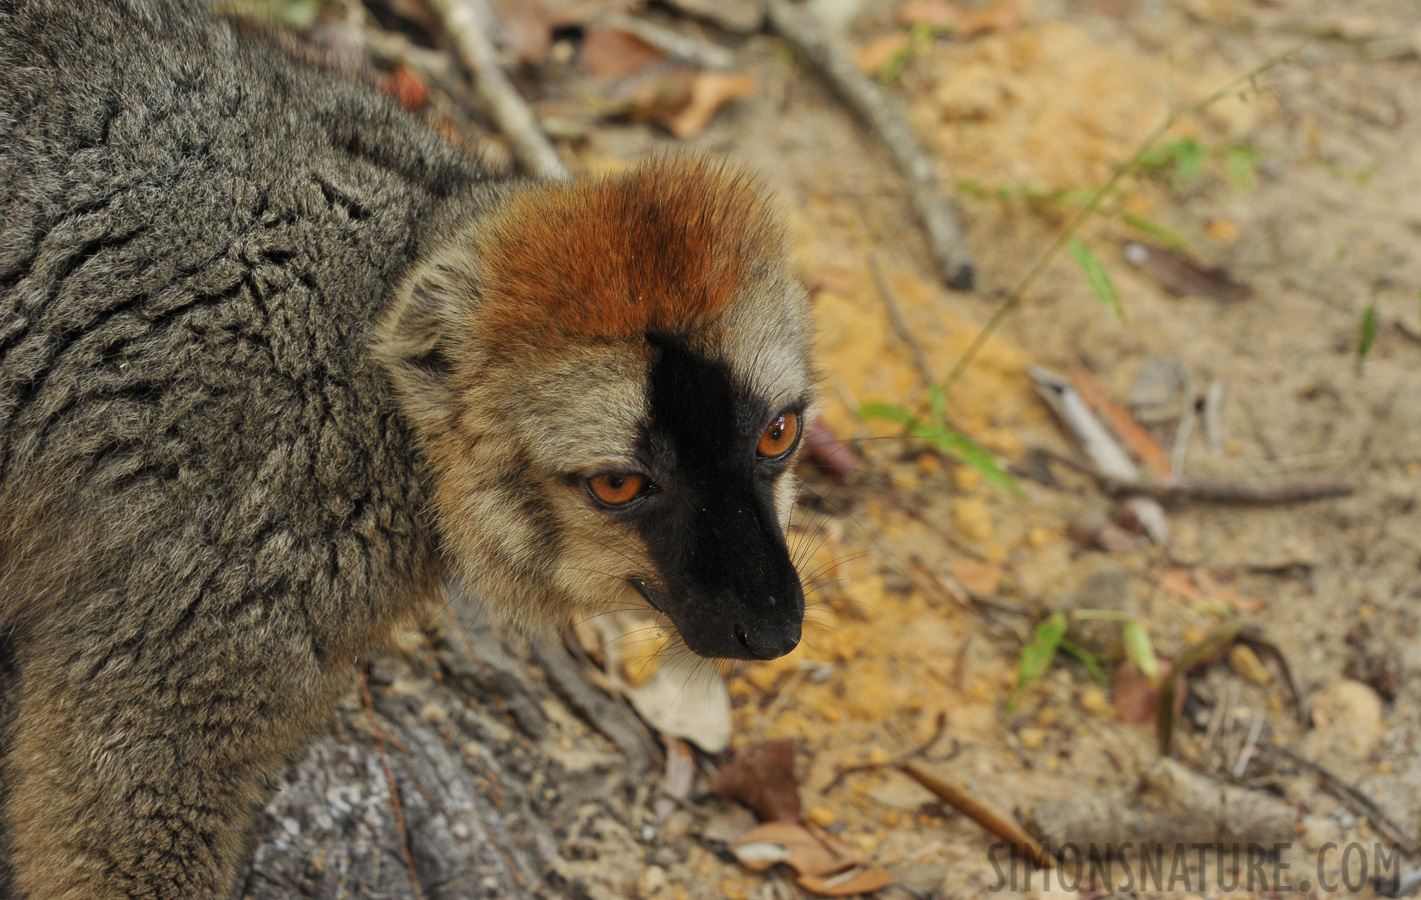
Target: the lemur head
pixel 609 379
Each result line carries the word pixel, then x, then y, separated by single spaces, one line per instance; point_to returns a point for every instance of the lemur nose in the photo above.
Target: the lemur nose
pixel 769 642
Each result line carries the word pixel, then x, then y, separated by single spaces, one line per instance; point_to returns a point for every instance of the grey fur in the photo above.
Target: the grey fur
pixel 207 498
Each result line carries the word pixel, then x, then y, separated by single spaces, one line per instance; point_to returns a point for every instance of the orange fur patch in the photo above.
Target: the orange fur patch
pixel 656 249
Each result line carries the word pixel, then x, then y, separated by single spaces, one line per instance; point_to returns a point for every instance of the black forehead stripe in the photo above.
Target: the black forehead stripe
pixel 699 405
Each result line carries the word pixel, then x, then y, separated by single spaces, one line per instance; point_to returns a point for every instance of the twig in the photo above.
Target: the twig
pixel 868 102
pixel 508 110
pixel 695 51
pixel 1254 731
pixel 1014 298
pixel 938 728
pixel 1213 409
pixel 976 809
pixel 1102 448
pixel 1172 805
pixel 1172 490
pixel 1359 802
pixel 1188 418
pixel 394 789
pixel 900 325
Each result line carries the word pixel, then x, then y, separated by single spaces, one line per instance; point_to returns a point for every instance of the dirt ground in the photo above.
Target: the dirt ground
pixel 1305 186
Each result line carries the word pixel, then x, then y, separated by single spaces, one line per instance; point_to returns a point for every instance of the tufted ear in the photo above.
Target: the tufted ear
pixel 414 343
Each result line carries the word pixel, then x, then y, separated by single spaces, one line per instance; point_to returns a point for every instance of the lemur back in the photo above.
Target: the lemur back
pixel 274 361
pixel 191 431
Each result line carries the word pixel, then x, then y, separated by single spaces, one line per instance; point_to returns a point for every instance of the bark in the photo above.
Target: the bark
pixel 491 772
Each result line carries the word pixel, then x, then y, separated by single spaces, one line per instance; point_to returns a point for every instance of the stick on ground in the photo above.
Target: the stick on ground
pixel 515 120
pixel 868 102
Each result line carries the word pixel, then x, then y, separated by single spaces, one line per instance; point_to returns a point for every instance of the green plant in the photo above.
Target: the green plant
pixel 948 440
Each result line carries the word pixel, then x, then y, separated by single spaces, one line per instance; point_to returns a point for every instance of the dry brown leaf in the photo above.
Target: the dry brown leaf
pixel 1003 15
pixel 1183 277
pixel 834 457
pixel 407 87
pixel 1131 433
pixel 799 848
pixel 846 884
pixel 1198 587
pixel 762 777
pixel 658 94
pixel 981 578
pixel 1133 695
pixel 709 92
pixel 611 53
pixel 880 51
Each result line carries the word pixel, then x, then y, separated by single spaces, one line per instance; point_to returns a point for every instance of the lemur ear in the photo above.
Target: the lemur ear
pixel 414 342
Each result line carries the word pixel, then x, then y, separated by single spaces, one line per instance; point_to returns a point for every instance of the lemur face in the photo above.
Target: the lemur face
pixel 610 380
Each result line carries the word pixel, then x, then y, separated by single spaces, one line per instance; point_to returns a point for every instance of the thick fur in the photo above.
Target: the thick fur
pixel 270 353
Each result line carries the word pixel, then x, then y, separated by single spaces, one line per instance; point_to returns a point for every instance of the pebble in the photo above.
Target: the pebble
pixel 651 882
pixel 1093 701
pixel 1247 665
pixel 820 815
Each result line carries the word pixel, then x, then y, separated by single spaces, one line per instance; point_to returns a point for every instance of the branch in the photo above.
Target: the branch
pixel 868 102
pixel 515 120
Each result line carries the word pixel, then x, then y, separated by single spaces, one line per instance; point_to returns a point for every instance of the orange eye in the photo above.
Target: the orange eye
pixel 779 438
pixel 616 490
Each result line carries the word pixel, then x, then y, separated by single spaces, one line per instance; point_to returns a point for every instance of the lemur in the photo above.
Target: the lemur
pixel 276 360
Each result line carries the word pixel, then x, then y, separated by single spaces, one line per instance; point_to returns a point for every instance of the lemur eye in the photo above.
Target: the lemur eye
pixel 780 437
pixel 616 490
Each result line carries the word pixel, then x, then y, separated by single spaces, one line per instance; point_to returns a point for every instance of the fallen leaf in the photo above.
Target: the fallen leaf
pixel 1182 276
pixel 612 54
pixel 407 87
pixel 977 577
pixel 1094 529
pixel 680 778
pixel 873 56
pixel 682 698
pixel 757 856
pixel 729 825
pixel 1003 15
pixel 709 92
pixel 1133 695
pixel 832 456
pixel 846 884
pixel 762 777
pixel 1131 433
pixel 804 851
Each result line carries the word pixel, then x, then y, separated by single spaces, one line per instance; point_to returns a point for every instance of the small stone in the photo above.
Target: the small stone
pixel 1032 738
pixel 651 883
pixel 973 518
pixel 1247 665
pixel 1093 701
pixel 820 815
